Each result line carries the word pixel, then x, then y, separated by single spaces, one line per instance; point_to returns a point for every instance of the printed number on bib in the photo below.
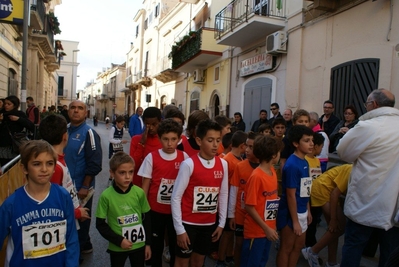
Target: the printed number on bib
pixel 271 209
pixel 205 199
pixel 44 239
pixel 315 172
pixel 135 234
pixel 165 191
pixel 306 186
pixel 117 147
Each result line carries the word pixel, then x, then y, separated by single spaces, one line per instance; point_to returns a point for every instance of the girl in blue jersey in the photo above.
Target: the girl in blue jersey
pixel 39 217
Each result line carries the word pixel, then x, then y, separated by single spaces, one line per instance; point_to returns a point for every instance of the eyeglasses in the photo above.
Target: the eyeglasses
pixel 348 114
pixel 367 103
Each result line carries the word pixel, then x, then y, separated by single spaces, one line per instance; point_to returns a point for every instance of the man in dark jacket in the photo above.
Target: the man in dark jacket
pixel 262 119
pixel 328 120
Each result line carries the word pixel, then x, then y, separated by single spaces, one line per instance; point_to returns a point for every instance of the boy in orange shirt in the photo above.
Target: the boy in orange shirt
pixel 261 204
pixel 226 125
pixel 236 211
pixel 225 253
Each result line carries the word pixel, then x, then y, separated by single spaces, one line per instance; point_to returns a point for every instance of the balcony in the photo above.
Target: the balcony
pixel 165 73
pixel 243 22
pixel 63 94
pixel 102 98
pixel 195 51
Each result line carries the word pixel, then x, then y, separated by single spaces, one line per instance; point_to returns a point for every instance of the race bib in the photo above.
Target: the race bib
pixel 44 239
pixel 165 191
pixel 306 186
pixel 117 147
pixel 315 172
pixel 242 200
pixel 205 199
pixel 134 234
pixel 271 208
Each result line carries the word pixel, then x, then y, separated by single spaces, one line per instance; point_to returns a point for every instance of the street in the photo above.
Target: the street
pixel 100 258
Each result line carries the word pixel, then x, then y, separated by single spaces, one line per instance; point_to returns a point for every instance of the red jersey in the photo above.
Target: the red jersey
pixel 240 177
pixel 200 199
pixel 188 148
pixel 261 192
pixel 164 173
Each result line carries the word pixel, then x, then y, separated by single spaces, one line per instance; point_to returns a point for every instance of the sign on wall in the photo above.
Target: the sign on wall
pixel 12 11
pixel 256 64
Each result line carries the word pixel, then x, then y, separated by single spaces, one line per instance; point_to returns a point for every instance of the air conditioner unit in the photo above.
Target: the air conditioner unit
pixel 198 76
pixel 276 43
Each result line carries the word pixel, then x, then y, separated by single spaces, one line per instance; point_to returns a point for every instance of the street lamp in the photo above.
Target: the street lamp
pixel 73 72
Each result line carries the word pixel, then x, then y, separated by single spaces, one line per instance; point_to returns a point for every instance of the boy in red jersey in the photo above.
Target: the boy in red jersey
pixel 226 246
pixel 236 211
pixel 141 145
pixel 261 204
pixel 199 193
pixel 159 171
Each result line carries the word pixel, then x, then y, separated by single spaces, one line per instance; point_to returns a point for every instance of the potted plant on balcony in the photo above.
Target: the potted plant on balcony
pixel 54 23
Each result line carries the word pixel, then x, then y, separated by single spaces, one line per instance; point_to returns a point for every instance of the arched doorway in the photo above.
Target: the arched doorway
pixel 214 105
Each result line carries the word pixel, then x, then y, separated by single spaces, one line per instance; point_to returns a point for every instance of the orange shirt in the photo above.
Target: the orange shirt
pixel 242 172
pixel 261 192
pixel 231 162
pixel 220 149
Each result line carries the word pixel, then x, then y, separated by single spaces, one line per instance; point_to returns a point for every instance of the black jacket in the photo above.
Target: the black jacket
pixel 18 126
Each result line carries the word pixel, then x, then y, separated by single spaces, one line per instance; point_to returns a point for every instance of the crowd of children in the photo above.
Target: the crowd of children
pixel 241 191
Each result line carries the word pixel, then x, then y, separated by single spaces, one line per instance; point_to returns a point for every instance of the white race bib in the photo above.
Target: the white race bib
pixel 205 199
pixel 44 239
pixel 165 191
pixel 314 172
pixel 306 186
pixel 135 234
pixel 118 146
pixel 271 208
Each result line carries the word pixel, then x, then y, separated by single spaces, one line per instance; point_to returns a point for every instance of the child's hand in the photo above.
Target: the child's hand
pixel 217 233
pixel 84 214
pixel 183 241
pixel 232 223
pixel 333 226
pixel 297 228
pixel 126 244
pixel 271 234
pixel 147 252
pixel 124 141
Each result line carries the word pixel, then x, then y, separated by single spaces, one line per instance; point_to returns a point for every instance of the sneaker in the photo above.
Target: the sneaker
pixel 166 254
pixel 313 259
pixel 331 265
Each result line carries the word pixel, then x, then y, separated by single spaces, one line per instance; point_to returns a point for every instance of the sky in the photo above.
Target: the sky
pixel 104 30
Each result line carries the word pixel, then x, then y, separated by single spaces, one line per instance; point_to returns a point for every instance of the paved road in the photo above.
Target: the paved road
pixel 99 257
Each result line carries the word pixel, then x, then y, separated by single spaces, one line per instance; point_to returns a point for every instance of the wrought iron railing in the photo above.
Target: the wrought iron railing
pixel 240 11
pixel 186 48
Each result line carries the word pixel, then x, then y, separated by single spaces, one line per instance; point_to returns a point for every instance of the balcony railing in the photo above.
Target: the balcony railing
pixel 128 81
pixel 186 48
pixel 240 11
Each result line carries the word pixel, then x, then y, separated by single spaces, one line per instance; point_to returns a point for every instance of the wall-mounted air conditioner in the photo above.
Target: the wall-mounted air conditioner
pixel 198 76
pixel 276 43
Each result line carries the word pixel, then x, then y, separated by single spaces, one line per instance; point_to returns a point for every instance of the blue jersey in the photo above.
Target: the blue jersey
pixel 296 175
pixel 40 233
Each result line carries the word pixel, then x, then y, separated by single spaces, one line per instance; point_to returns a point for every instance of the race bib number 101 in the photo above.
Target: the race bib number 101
pixel 205 199
pixel 44 239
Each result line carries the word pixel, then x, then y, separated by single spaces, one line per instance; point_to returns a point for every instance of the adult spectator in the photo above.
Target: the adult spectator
pixel 32 111
pixel 136 125
pixel 315 126
pixel 14 121
pixel 328 120
pixel 275 109
pixel 83 156
pixel 350 120
pixel 238 123
pixel 64 112
pixel 262 119
pixel 372 199
pixel 287 115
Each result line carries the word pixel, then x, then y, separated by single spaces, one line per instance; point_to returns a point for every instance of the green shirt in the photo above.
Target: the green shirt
pixel 123 214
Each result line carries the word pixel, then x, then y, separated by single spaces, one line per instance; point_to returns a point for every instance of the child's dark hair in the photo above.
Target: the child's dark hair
pixel 252 135
pixel 175 113
pixel 239 138
pixel 195 117
pixel 279 121
pixel 297 132
pixel 266 147
pixel 33 148
pixel 299 113
pixel 169 125
pixel 52 128
pixel 13 99
pixel 318 139
pixel 206 125
pixel 118 159
pixel 263 127
pixel 119 119
pixel 222 120
pixel 152 112
pixel 226 140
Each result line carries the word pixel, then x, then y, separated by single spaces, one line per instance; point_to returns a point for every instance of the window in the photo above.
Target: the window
pixel 156 10
pixel 12 82
pixel 60 86
pixel 216 76
pixel 194 101
pixel 146 24
pixel 137 30
pixel 150 19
